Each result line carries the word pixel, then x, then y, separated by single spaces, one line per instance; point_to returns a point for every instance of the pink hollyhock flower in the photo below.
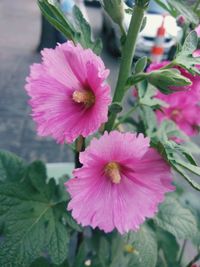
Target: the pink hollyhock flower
pixel 121 182
pixel 183 106
pixel 69 96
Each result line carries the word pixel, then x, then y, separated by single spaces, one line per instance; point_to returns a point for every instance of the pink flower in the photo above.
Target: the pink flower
pixel 183 107
pixel 121 183
pixel 69 96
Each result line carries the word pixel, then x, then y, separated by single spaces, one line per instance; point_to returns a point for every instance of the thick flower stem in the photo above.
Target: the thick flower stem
pixel 80 146
pixel 127 57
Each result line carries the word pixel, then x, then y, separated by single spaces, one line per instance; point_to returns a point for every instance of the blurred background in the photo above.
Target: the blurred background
pixel 20 38
pixel 23 33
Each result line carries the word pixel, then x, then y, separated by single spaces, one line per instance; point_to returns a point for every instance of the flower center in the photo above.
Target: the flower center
pixel 175 114
pixel 85 97
pixel 112 170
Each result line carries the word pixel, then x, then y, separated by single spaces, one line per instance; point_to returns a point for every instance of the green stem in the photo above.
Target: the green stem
pixel 127 57
pixel 80 146
pixel 182 251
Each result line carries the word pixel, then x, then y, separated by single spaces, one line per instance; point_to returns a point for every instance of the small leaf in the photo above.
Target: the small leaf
pixel 175 219
pixel 191 167
pixel 190 43
pixel 83 32
pixel 140 65
pixel 144 22
pixel 53 14
pixel 185 58
pixel 115 108
pixel 183 173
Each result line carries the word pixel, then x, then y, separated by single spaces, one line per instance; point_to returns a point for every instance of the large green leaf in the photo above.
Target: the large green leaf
pixel 144 247
pixel 185 58
pixel 177 220
pixel 11 167
pixel 31 213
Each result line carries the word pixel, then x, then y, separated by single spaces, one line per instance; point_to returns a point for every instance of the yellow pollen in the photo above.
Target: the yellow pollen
pixel 175 112
pixel 112 170
pixel 85 97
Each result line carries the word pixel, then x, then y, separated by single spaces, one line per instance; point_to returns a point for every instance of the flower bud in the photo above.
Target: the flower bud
pixel 181 21
pixel 167 80
pixel 115 10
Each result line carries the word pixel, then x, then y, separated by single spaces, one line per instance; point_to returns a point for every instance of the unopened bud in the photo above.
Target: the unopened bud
pixel 181 21
pixel 115 10
pixel 168 80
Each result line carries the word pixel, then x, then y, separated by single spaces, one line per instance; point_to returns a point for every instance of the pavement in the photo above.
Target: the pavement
pixel 20 34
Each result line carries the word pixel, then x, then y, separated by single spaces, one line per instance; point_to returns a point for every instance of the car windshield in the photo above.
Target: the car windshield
pixel 153 6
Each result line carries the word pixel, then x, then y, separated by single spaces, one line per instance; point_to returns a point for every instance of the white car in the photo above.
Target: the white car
pixel 147 36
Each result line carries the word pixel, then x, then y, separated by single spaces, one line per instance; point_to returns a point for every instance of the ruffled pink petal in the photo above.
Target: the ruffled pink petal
pixel 98 202
pixel 113 148
pixel 51 86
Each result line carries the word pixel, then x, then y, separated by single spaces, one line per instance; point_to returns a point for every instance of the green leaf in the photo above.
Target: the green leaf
pixel 185 175
pixel 185 58
pixel 83 32
pixel 149 120
pixel 11 167
pixel 148 98
pixel 144 252
pixel 190 43
pixel 166 7
pixel 140 65
pixel 104 252
pixel 79 33
pixel 175 219
pixel 32 214
pixel 194 169
pixel 81 256
pixel 42 262
pixel 144 23
pixel 115 108
pixel 53 14
pixel 169 129
pixel 169 245
pixel 179 158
